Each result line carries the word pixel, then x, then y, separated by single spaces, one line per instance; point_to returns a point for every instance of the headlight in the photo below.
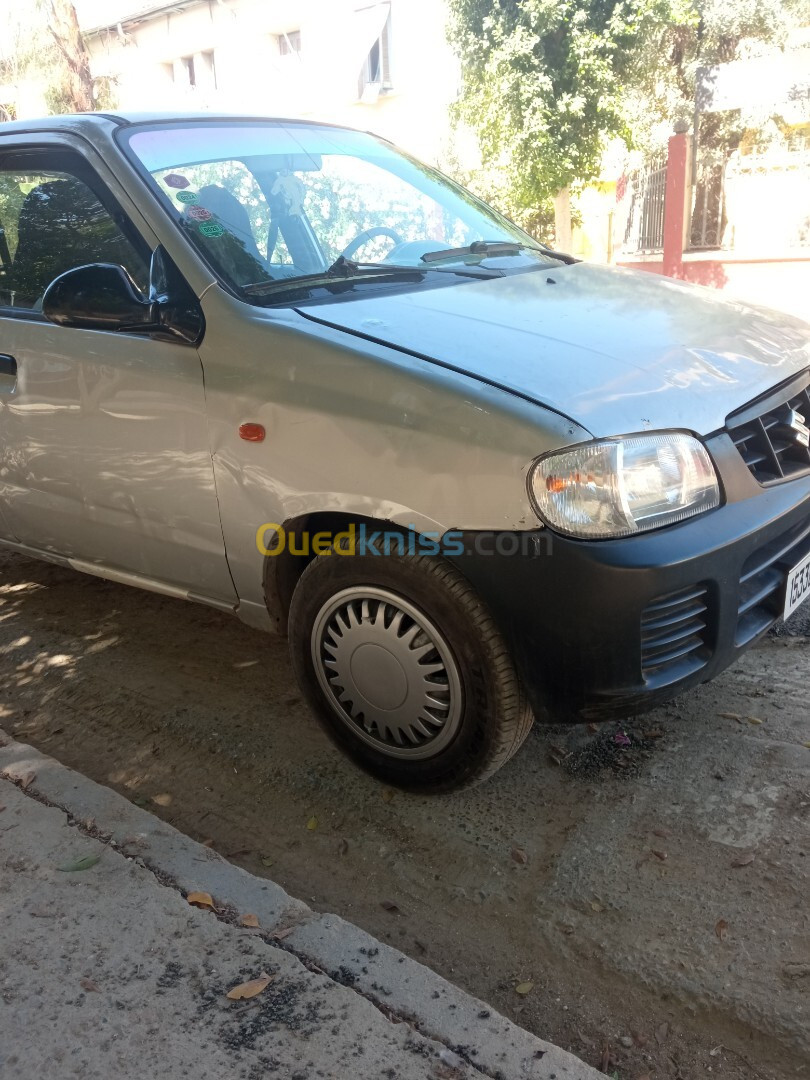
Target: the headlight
pixel 617 487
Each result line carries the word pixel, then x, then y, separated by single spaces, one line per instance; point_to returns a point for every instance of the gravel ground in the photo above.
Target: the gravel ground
pixel 645 885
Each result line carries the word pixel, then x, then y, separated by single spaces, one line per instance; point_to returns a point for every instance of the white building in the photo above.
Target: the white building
pixel 381 65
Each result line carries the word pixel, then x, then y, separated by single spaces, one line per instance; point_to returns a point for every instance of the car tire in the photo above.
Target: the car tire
pixel 406 670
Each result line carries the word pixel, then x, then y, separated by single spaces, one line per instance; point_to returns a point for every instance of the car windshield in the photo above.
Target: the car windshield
pixel 267 202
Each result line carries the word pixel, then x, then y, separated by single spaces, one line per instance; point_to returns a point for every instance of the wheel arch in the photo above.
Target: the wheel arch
pixel 281 572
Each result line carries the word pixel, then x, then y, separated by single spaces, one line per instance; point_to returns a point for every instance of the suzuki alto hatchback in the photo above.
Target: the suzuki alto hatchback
pixel 282 369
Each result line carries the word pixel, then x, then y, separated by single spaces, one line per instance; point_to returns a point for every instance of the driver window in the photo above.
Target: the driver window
pixel 53 221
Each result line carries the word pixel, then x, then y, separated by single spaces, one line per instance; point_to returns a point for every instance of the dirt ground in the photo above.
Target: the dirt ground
pixel 637 893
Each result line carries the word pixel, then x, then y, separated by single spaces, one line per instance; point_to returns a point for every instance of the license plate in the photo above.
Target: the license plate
pixel 798 586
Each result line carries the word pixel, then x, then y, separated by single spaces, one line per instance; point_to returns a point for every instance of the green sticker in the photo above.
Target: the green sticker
pixel 186 196
pixel 212 228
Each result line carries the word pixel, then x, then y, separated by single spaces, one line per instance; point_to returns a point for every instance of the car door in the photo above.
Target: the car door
pixel 104 452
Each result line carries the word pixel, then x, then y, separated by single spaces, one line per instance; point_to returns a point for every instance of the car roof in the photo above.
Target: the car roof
pixel 96 120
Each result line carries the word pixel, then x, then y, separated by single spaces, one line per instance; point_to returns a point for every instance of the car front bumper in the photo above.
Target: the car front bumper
pixel 602 630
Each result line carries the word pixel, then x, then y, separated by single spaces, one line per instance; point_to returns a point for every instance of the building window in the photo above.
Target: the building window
pixel 375 75
pixel 206 70
pixel 289 44
pixel 187 72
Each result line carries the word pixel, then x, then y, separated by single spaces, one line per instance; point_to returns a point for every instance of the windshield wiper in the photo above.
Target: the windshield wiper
pixel 344 270
pixel 490 248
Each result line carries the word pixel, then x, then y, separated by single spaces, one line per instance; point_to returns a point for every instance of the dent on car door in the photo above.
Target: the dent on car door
pixel 105 453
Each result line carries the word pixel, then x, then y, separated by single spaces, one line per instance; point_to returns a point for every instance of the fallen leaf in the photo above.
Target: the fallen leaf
pixel 248 920
pixel 662 855
pixel 661 1033
pixel 249 989
pixel 388 794
pixel 596 906
pixel 27 779
pixel 519 856
pixel 807 744
pixel 312 824
pixel 743 860
pixel 141 800
pixel 200 899
pixel 279 935
pixel 389 905
pixel 343 846
pixel 754 720
pixel 721 929
pixel 82 863
pixel 208 843
pixel 557 754
pixel 593 728
pixel 797 971
pixel 266 861
pixel 524 988
pixel 89 985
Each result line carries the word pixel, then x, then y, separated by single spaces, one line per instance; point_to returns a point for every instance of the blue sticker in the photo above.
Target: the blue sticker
pixel 186 196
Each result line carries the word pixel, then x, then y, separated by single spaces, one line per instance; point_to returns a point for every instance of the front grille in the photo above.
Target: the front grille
pixel 673 636
pixel 763 581
pixel 770 436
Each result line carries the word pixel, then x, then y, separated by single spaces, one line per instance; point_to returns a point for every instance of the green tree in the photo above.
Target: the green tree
pixel 713 32
pixel 545 83
pixel 40 42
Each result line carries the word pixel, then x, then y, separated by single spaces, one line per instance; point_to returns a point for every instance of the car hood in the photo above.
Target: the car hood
pixel 615 350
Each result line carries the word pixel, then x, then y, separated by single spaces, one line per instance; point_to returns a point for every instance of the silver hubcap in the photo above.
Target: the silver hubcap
pixel 387 671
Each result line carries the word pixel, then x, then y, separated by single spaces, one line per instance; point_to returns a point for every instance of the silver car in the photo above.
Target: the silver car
pixel 283 369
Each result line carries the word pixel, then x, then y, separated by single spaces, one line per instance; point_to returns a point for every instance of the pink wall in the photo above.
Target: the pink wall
pixel 778 283
pixel 781 282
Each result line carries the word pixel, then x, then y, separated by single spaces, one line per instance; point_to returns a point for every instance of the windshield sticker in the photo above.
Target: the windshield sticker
pixel 212 228
pixel 187 196
pixel 175 180
pixel 199 213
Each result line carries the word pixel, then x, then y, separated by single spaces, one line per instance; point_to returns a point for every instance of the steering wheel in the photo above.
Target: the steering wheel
pixel 369 234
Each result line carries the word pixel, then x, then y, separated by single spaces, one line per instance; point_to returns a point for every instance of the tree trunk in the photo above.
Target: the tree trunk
pixel 76 81
pixel 562 220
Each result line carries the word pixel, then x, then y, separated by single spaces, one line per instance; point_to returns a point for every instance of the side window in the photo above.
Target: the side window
pixel 52 220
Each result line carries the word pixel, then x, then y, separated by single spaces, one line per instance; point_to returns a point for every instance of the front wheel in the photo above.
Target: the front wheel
pixel 406 670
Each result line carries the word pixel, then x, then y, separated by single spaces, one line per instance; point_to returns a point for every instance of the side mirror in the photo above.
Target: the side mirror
pixel 102 296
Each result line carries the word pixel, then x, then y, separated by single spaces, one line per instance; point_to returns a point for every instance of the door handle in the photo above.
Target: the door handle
pixel 8 374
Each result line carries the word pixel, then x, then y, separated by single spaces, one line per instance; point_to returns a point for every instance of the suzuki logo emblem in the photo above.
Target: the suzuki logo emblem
pixel 801 432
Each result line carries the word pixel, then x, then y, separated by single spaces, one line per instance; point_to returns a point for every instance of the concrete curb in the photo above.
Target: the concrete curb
pixel 400 987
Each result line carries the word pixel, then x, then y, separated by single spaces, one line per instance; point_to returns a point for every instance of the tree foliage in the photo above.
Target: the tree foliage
pixel 544 81
pixel 41 43
pixel 716 32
